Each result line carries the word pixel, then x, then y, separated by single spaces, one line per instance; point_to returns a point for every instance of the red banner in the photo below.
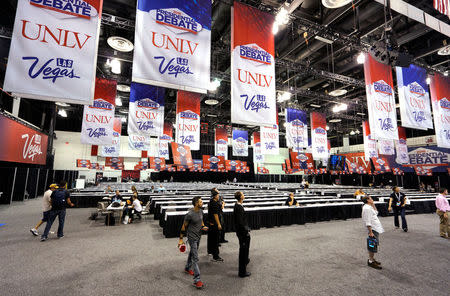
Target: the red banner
pixel 114 162
pixel 83 163
pixel 357 163
pixel 21 143
pixel 131 175
pixel 301 161
pixel 182 155
pixel 213 163
pixel 157 163
pixel 381 164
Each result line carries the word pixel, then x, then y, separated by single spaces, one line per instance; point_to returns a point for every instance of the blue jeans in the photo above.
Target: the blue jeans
pixel 51 218
pixel 192 261
pixel 400 211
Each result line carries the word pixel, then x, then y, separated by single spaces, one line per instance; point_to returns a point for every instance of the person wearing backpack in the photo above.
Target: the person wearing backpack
pixel 60 198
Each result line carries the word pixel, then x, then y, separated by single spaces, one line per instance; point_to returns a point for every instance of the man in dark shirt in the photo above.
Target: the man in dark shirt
pixel 291 201
pixel 60 198
pixel 117 197
pixel 243 234
pixel 398 200
pixel 222 239
pixel 215 227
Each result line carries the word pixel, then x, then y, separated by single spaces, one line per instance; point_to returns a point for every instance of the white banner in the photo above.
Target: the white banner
pixel 370 145
pixel 53 53
pixel 296 129
pixel 164 148
pixel 114 149
pixel 386 147
pixel 319 137
pixel 270 140
pixel 173 44
pixel 139 142
pixel 188 119
pixel 440 97
pixel 401 150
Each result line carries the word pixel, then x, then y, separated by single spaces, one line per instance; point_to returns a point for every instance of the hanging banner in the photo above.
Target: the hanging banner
pixel 157 163
pixel 213 163
pixel 253 98
pixel 98 118
pixel 357 163
pixel 114 149
pixel 380 99
pixel 233 165
pixel 53 53
pixel 114 162
pixel 401 147
pixel 83 163
pixel 301 161
pixel 370 145
pixel 240 143
pixel 386 147
pixel 181 155
pixel 296 129
pixel 319 136
pixel 381 164
pixel 165 139
pixel 414 97
pixel 270 140
pixel 198 165
pixel 146 110
pixel 440 97
pixel 221 142
pixel 258 157
pixel 173 44
pixel 139 142
pixel 188 119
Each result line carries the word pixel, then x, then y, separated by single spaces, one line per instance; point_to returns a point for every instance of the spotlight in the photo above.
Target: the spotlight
pixel 361 58
pixel 115 66
pixel 352 133
pixel 62 113
pixel 214 85
pixel 275 28
pixel 428 80
pixel 118 102
pixel 328 128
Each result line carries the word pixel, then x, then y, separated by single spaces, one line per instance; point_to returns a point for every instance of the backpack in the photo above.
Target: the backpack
pixel 58 198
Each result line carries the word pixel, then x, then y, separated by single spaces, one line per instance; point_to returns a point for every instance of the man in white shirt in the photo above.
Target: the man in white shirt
pixel 370 218
pixel 46 207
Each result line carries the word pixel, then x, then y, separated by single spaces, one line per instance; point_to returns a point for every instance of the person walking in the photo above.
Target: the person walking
pixel 373 224
pixel 443 209
pixel 243 234
pixel 193 226
pixel 46 207
pixel 60 198
pixel 214 227
pixel 398 201
pixel 222 239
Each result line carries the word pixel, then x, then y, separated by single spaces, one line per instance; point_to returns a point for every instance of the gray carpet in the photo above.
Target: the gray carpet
pixel 327 258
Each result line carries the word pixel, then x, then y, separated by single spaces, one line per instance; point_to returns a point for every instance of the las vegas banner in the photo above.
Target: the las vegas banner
pixel 53 53
pixel 414 97
pixel 188 119
pixel 386 147
pixel 270 144
pixel 252 67
pixel 370 145
pixel 139 142
pixel 258 157
pixel 380 99
pixel 221 142
pixel 173 44
pixel 401 148
pixel 319 136
pixel 146 110
pixel 114 149
pixel 240 143
pixel 165 139
pixel 296 129
pixel 440 98
pixel 98 119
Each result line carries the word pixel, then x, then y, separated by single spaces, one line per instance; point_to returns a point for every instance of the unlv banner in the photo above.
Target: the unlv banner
pixel 296 129
pixel 370 145
pixel 98 118
pixel 165 139
pixel 188 119
pixel 270 140
pixel 380 100
pixel 440 97
pixel 21 143
pixel 258 157
pixel 53 53
pixel 401 148
pixel 181 155
pixel 253 99
pixel 114 149
pixel 173 44
pixel 319 136
pixel 139 142
pixel 414 98
pixel 240 143
pixel 221 142
pixel 146 110
pixel 386 147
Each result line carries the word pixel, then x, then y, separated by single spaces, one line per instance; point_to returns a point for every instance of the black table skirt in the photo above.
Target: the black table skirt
pixel 87 201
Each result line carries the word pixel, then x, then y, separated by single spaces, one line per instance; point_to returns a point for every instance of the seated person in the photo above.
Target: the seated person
pixel 135 208
pixel 306 185
pixel 108 189
pixel 291 201
pixel 303 184
pixel 160 188
pixel 117 197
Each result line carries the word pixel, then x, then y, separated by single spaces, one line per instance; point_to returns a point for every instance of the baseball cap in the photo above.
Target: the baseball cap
pixel 53 186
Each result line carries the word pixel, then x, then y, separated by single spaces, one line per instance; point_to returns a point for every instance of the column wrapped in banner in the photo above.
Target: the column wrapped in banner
pixel 188 119
pixel 221 142
pixel 114 149
pixel 440 98
pixel 319 136
pixel 296 129
pixel 370 145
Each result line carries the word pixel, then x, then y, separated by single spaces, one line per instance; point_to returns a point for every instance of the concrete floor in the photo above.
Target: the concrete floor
pixel 326 258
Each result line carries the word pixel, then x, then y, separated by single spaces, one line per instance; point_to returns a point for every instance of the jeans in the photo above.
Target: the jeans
pixel 51 218
pixel 192 261
pixel 244 246
pixel 401 211
pixel 213 241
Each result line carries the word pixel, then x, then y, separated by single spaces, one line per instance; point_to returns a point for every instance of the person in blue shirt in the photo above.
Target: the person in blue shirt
pixel 117 197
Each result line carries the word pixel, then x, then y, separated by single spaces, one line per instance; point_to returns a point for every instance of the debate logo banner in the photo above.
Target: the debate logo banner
pixel 165 139
pixel 221 142
pixel 380 99
pixel 440 97
pixel 139 142
pixel 240 143
pixel 146 110
pixel 414 97
pixel 269 140
pixel 181 155
pixel 296 129
pixel 319 136
pixel 188 119
pixel 98 118
pixel 114 149
pixel 253 98
pixel 258 157
pixel 173 44
pixel 370 145
pixel 401 147
pixel 53 53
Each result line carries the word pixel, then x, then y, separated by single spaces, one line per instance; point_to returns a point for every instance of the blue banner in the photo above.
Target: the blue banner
pixel 296 129
pixel 240 143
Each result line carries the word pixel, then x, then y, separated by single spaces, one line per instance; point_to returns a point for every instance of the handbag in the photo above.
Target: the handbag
pixel 372 244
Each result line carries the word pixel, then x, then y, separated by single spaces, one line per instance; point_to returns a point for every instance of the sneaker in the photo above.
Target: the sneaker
pixel 43 239
pixel 373 265
pixel 191 272
pixel 199 285
pixel 61 236
pixel 218 259
pixel 34 232
pixel 376 262
pixel 405 229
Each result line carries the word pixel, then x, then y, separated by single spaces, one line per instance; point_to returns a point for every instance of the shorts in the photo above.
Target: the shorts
pixel 377 236
pixel 45 216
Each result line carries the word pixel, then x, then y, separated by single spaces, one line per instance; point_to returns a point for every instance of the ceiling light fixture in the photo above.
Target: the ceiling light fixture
pixel 282 18
pixel 325 40
pixel 335 120
pixel 339 108
pixel 328 128
pixel 118 102
pixel 362 114
pixel 315 106
pixel 352 133
pixel 428 80
pixel 123 87
pixel 62 104
pixel 338 92
pixel 123 119
pixel 120 44
pixel 211 102
pixel 284 96
pixel 335 3
pixel 62 113
pixel 211 115
pixel 214 85
pixel 444 50
pixel 361 58
pixel 115 66
pixel 446 73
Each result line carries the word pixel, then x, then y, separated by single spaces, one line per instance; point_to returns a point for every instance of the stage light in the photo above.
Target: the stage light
pixel 352 133
pixel 428 80
pixel 118 102
pixel 214 85
pixel 115 66
pixel 361 58
pixel 338 108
